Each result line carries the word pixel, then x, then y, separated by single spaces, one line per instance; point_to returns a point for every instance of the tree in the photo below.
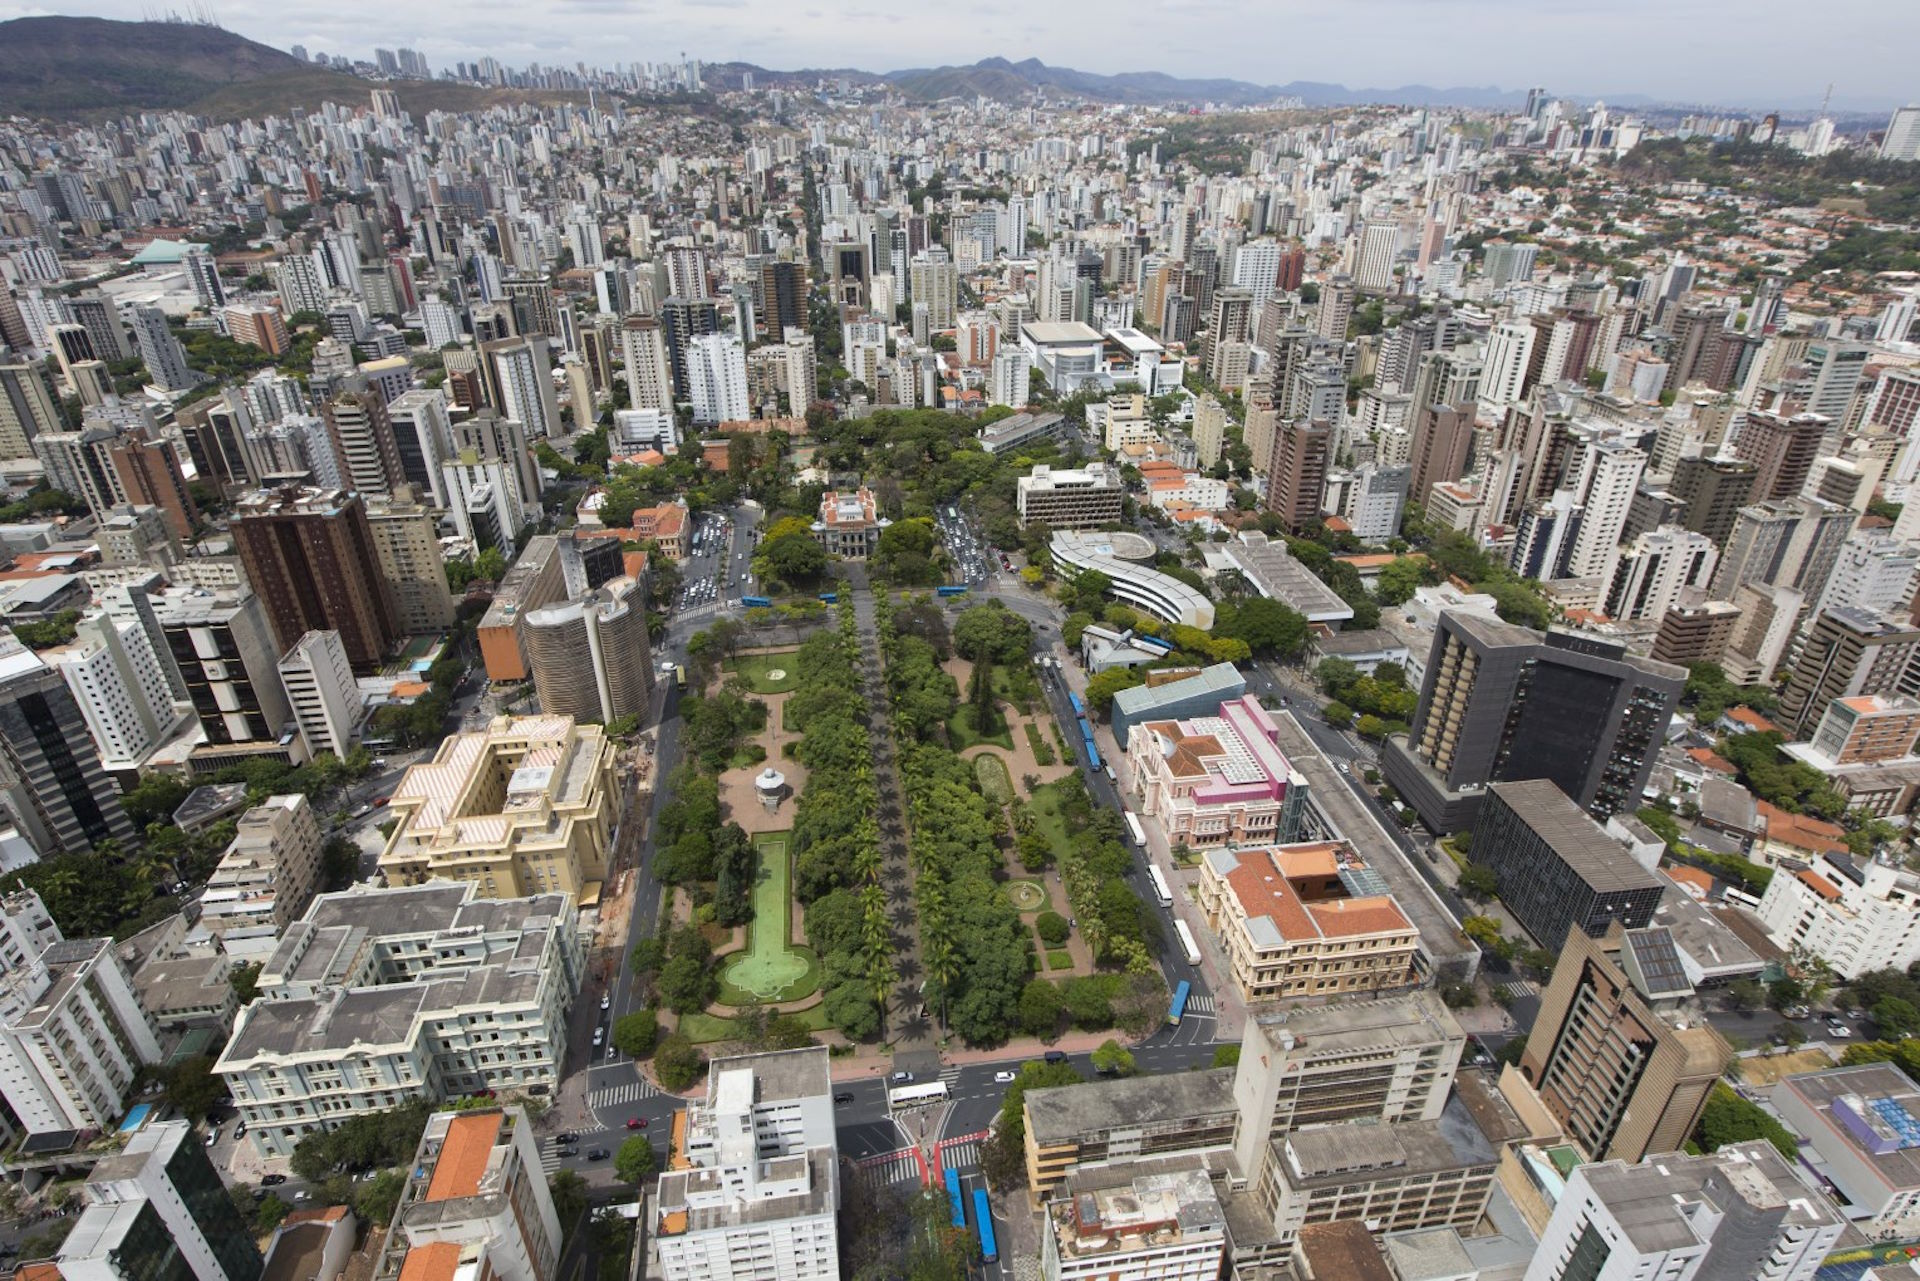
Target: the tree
pixel 849 1007
pixel 634 1161
pixel 192 1087
pixel 1896 1017
pixel 1268 628
pixel 1478 881
pixel 1729 1118
pixel 1745 994
pixel 635 1034
pixel 678 1063
pixel 1040 1008
pixel 245 980
pixel 1337 713
pixel 1052 927
pixel 1785 991
pixel 569 1193
pixel 1113 1059
pixel 981 703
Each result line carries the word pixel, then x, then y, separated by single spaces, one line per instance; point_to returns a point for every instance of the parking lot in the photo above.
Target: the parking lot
pixel 973 560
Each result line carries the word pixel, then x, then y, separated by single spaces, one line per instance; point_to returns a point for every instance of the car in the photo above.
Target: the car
pixel 1838 1031
pixel 599 1035
pixel 1056 1056
pixel 606 1001
pixel 612 1052
pixel 1856 1015
pixel 259 1195
pixel 272 1180
pixel 240 1130
pixel 213 1135
pixel 303 1195
pixel 1796 1012
pixel 597 1154
pixel 902 1078
pixel 1003 1078
pixel 843 1097
pixel 567 1137
pixel 636 1123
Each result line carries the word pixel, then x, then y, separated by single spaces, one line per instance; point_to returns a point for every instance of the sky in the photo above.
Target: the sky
pixel 1739 52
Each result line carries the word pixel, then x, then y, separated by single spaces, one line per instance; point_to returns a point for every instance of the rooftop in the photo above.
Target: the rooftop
pixel 1274 572
pixel 1063 1113
pixel 1599 860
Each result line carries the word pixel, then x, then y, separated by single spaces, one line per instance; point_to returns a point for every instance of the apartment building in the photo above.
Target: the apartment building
pixel 54 784
pixel 525 806
pixel 476 1204
pixel 377 997
pixel 406 539
pixel 73 1038
pixel 1305 920
pixel 590 655
pixel 1119 1226
pixel 311 558
pixel 534 579
pixel 753 1194
pixel 1847 653
pixel 324 696
pixel 1855 914
pixel 1076 1127
pixel 157 1211
pixel 1070 497
pixel 267 876
pixel 1217 780
pixel 1617 1054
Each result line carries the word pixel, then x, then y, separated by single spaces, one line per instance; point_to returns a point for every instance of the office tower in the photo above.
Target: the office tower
pixel 1609 477
pixel 783 295
pixel 1336 308
pixel 1442 437
pixel 158 1210
pixel 310 557
pixel 1846 652
pixel 121 687
pixel 54 785
pixel 363 436
pixel 160 351
pixel 1297 472
pixel 27 406
pixel 221 646
pixel 1714 490
pixel 683 320
pixel 73 1037
pixel 1782 451
pixel 1558 871
pixel 590 656
pixel 406 536
pixel 525 382
pixel 148 473
pixel 1902 138
pixel 1695 633
pixel 1650 576
pixel 1836 367
pixel 480 1205
pixel 321 690
pixel 1507 263
pixel 1373 262
pixel 716 367
pixel 934 282
pixel 1509 357
pixel 1739 1212
pixel 1615 1054
pixel 757 1196
pixel 1008 381
pixel 643 347
pixel 422 441
pixel 1501 704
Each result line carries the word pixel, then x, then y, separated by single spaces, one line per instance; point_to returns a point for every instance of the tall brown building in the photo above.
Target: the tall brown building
pixel 1692 634
pixel 1442 437
pixel 1714 490
pixel 1297 471
pixel 311 557
pixel 1782 449
pixel 149 472
pixel 1611 1054
pixel 783 297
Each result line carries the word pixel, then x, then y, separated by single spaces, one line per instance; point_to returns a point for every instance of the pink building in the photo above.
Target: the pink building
pixel 1218 780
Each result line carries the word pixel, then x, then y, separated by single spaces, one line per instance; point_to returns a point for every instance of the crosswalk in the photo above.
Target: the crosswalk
pixel 1520 988
pixel 1201 1004
pixel 614 1096
pixel 950 1075
pixel 962 1154
pixel 892 1168
pixel 549 1155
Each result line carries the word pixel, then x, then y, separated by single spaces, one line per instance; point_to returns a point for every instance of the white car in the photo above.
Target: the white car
pixel 1003 1078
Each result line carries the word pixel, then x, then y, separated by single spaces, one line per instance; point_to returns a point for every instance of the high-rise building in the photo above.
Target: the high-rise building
pixel 757 1196
pixel 1335 309
pixel 1847 652
pixel 1740 1211
pixel 224 649
pixel 53 783
pixel 311 558
pixel 643 347
pixel 160 351
pixel 783 295
pixel 682 320
pixel 27 406
pixel 146 471
pixel 1714 490
pixel 716 366
pixel 1793 544
pixel 590 656
pixel 1782 451
pixel 1558 871
pixel 1502 703
pixel 1442 438
pixel 267 875
pixel 122 689
pixel 1901 141
pixel 478 1203
pixel 1297 471
pixel 363 434
pixel 422 441
pixel 1609 477
pixel 406 537
pixel 1374 258
pixel 1509 356
pixel 321 689
pixel 525 383
pixel 1874 572
pixel 157 1211
pixel 934 282
pixel 1009 378
pixel 1651 575
pixel 1696 633
pixel 1615 1054
pixel 73 1036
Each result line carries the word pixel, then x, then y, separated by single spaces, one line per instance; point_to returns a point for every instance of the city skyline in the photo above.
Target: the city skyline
pixel 1750 66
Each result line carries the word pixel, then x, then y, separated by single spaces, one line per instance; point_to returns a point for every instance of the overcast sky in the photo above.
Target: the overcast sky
pixel 1753 52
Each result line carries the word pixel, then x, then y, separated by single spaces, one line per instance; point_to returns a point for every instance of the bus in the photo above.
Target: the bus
pixel 1137 832
pixel 983 1224
pixel 955 1201
pixel 952 589
pixel 917 1096
pixel 1093 753
pixel 1179 1006
pixel 830 598
pixel 1187 945
pixel 1073 701
pixel 680 675
pixel 756 602
pixel 1160 890
pixel 1108 770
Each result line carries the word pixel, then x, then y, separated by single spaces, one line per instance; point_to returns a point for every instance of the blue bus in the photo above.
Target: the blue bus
pixel 983 1216
pixel 1179 1006
pixel 1093 753
pixel 1073 701
pixel 956 589
pixel 955 1199
pixel 830 598
pixel 756 602
pixel 1155 642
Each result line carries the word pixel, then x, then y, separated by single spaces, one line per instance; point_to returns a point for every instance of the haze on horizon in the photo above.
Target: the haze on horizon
pixel 1755 54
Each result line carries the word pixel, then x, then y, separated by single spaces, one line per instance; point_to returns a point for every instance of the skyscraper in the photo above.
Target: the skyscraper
pixel 683 320
pixel 1847 652
pixel 27 406
pixel 1297 471
pixel 310 556
pixel 53 783
pixel 1714 490
pixel 157 1210
pixel 590 656
pixel 363 436
pixel 525 382
pixel 160 351
pixel 1442 437
pixel 1502 703
pixel 1782 451
pixel 717 379
pixel 643 346
pixel 1902 138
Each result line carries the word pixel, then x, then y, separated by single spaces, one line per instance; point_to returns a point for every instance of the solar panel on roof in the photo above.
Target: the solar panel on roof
pixel 1895 1114
pixel 1658 961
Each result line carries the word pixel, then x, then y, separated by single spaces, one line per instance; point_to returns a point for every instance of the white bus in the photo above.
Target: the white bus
pixel 1134 829
pixel 917 1096
pixel 1187 944
pixel 1160 890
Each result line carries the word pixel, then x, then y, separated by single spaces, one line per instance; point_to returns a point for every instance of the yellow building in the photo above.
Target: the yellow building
pixel 525 806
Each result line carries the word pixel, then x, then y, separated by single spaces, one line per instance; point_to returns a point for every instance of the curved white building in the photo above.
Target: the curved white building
pixel 1115 554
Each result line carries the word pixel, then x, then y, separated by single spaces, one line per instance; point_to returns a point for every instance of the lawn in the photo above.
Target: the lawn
pixel 995 783
pixel 1042 749
pixel 1026 896
pixel 1060 960
pixel 1044 804
pixel 771 968
pixel 704 1029
pixel 766 673
pixel 960 729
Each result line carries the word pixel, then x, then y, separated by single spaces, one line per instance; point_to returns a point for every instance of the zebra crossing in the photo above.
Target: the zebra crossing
pixel 549 1155
pixel 950 1075
pixel 960 1154
pixel 614 1096
pixel 1202 1004
pixel 891 1168
pixel 1520 988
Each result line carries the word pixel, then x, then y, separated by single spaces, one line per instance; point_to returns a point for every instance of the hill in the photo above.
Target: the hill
pixel 65 66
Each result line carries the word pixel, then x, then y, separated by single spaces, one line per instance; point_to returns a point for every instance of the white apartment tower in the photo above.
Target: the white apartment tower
pixel 643 346
pixel 1009 382
pixel 1609 476
pixel 320 685
pixel 717 379
pixel 122 688
pixel 1509 349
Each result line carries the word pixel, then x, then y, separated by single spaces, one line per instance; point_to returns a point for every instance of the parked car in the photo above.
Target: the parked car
pixel 843 1097
pixel 599 1035
pixel 598 1154
pixel 1003 1078
pixel 606 1001
pixel 1056 1056
pixel 902 1078
pixel 272 1180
